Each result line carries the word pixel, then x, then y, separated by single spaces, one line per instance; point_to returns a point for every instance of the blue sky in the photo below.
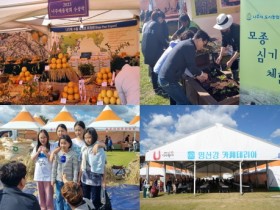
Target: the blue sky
pixel 164 124
pixel 84 113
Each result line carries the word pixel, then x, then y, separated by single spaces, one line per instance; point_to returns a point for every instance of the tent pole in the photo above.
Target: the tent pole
pixel 174 169
pixel 147 172
pixel 256 175
pixel 240 177
pixel 267 180
pixel 194 176
pixel 164 169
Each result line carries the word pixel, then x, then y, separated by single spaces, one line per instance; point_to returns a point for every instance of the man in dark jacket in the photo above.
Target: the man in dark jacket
pixel 12 176
pixel 153 45
pixel 230 36
pixel 182 56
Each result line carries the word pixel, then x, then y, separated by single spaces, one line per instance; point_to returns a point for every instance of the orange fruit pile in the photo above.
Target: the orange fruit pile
pixel 109 97
pixel 104 75
pixel 71 91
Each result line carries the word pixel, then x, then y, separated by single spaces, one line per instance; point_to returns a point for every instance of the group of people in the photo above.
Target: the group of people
pixel 171 61
pixel 75 168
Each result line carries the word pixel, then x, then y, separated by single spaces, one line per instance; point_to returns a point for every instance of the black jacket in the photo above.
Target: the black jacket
pixel 153 43
pixel 182 56
pixel 232 37
pixel 12 198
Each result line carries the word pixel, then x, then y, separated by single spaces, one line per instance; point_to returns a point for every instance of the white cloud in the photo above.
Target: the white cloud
pixel 244 115
pixel 275 133
pixel 158 120
pixel 205 117
pixel 163 129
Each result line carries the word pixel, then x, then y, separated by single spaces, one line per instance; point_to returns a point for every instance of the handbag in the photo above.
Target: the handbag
pixel 105 200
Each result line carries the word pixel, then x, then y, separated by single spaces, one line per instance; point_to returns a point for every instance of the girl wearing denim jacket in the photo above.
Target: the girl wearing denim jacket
pixel 93 168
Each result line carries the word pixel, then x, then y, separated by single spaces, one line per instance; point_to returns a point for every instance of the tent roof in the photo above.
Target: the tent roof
pixel 215 144
pixel 25 14
pixel 63 117
pixel 109 120
pixel 39 120
pixel 23 120
pixel 107 114
pixel 135 120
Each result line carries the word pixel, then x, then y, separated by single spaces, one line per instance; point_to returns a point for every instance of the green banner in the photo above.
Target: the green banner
pixel 260 52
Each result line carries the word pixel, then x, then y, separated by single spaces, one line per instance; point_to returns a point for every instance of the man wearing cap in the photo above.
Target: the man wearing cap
pixel 230 36
pixel 182 56
pixel 186 24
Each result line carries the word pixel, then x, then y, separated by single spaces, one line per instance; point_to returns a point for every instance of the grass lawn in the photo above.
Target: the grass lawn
pixel 147 96
pixel 213 201
pixel 120 158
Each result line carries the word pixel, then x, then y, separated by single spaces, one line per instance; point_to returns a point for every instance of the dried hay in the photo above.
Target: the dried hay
pixel 58 74
pixel 15 150
pixel 131 177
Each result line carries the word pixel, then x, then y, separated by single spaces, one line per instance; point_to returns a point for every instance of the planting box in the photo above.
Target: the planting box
pixel 199 96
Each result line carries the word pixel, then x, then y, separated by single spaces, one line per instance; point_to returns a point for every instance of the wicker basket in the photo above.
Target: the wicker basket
pixel 4 78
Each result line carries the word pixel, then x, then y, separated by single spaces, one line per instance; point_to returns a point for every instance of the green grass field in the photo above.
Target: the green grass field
pixel 120 158
pixel 148 96
pixel 213 201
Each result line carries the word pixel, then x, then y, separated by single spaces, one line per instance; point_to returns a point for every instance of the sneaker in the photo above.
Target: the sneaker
pixel 162 93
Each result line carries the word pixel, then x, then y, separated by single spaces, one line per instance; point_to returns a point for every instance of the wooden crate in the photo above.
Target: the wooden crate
pixel 199 96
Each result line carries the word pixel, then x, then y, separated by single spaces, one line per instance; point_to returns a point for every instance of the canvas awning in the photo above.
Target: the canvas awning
pixel 63 117
pixel 110 121
pixel 226 147
pixel 22 121
pixel 31 13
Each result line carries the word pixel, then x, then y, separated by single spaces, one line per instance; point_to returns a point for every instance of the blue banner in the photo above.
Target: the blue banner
pixel 67 8
pixel 96 27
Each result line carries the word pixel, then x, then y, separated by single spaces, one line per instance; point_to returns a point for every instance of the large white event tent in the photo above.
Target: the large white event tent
pixel 217 144
pixel 22 121
pixel 110 121
pixel 63 117
pixel 32 14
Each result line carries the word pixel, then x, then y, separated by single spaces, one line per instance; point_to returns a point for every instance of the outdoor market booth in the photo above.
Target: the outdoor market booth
pixel 218 150
pixel 109 123
pixel 48 58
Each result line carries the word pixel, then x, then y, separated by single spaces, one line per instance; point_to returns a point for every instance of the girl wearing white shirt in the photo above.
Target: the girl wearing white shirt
pixel 43 168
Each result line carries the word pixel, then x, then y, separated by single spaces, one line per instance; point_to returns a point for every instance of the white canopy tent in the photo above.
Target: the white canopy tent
pixel 63 117
pixel 218 144
pixel 22 121
pixel 109 120
pixel 31 14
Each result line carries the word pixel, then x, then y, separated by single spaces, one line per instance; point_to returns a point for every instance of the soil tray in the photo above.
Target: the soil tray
pixel 199 96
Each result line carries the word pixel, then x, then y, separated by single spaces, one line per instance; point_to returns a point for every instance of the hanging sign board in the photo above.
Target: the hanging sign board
pixel 67 8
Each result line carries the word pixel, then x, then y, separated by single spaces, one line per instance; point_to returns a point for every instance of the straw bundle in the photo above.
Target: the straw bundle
pixel 58 74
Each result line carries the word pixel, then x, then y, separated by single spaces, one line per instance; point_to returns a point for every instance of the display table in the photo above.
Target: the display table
pixel 91 90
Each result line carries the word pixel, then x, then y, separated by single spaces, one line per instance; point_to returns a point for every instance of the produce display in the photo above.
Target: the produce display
pixel 109 97
pixel 24 76
pixel 104 75
pixel 71 92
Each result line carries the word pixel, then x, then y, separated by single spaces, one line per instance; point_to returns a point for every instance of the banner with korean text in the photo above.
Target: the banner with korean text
pixel 259 58
pixel 67 8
